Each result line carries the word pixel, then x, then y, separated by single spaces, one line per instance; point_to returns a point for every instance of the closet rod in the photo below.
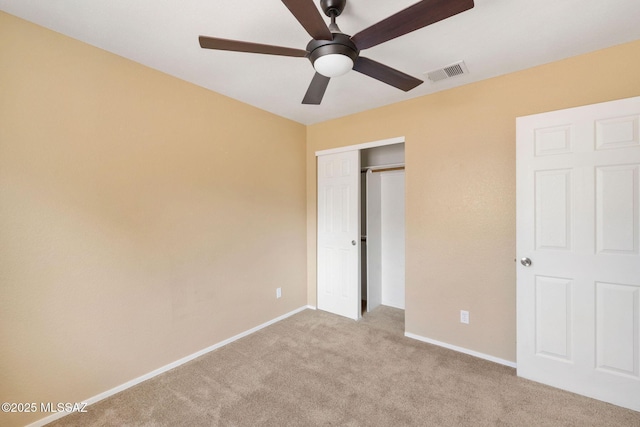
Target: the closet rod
pixel 382 167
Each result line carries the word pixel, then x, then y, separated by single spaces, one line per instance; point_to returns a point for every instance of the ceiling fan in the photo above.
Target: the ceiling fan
pixel 334 53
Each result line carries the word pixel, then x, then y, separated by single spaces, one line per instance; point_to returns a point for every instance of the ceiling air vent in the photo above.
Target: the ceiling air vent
pixel 453 70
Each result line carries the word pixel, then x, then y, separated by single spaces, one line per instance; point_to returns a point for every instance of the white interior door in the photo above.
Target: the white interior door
pixel 578 222
pixel 374 240
pixel 339 233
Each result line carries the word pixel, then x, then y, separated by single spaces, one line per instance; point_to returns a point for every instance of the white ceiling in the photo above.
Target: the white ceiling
pixel 496 37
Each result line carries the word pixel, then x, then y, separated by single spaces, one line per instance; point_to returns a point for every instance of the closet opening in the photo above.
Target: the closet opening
pixel 382 227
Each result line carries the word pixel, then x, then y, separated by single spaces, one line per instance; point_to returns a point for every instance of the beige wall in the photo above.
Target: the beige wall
pixel 141 218
pixel 460 188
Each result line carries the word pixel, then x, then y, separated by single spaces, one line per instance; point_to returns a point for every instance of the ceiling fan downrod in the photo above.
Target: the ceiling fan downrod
pixel 333 9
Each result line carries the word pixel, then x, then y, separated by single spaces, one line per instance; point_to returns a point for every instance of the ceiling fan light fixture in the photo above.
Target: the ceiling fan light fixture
pixel 333 65
pixel 333 58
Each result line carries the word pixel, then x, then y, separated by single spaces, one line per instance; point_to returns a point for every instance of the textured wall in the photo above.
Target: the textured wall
pixel 141 218
pixel 460 188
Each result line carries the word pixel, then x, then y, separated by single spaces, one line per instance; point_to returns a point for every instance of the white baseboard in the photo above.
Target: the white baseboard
pixel 128 384
pixel 311 307
pixel 461 350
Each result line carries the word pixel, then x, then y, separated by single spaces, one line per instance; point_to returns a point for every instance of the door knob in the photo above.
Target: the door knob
pixel 353 242
pixel 525 261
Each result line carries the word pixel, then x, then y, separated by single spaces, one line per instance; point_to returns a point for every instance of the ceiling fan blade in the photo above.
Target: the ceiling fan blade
pixel 307 14
pixel 239 46
pixel 316 90
pixel 410 19
pixel 386 74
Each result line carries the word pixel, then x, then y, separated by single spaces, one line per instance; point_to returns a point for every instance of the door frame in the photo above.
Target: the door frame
pixel 362 146
pixel 355 147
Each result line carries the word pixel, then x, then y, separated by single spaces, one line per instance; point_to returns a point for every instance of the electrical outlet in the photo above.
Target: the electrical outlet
pixel 464 316
pixel 278 292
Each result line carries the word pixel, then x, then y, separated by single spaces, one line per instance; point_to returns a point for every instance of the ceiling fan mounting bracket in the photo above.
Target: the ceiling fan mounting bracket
pixel 332 8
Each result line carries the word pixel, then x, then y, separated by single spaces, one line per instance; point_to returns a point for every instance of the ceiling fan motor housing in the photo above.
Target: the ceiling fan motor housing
pixel 341 44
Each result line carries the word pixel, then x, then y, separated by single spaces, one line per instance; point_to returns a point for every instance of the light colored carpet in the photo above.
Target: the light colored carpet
pixel 315 368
